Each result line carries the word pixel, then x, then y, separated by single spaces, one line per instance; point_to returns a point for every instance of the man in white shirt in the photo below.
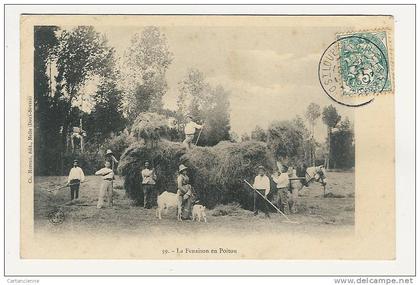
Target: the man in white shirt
pixel 109 156
pixel 148 184
pixel 262 185
pixel 189 130
pixel 283 186
pixel 106 187
pixel 76 176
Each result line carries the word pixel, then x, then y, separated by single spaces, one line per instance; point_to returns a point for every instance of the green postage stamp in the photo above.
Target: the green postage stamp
pixel 364 63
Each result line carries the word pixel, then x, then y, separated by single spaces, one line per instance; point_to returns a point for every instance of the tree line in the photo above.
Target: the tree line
pixel 81 81
pixel 292 142
pixel 69 61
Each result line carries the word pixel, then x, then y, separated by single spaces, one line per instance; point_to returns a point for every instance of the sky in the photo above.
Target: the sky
pixel 269 71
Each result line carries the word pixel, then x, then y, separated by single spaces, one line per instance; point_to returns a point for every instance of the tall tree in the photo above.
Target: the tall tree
pixel 216 117
pixel 46 128
pixel 205 104
pixel 285 140
pixel 331 118
pixel 342 145
pixel 313 112
pixel 147 60
pixel 106 117
pixel 82 53
pixel 193 92
pixel 307 146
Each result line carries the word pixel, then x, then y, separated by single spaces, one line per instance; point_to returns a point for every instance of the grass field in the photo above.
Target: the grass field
pixel 316 213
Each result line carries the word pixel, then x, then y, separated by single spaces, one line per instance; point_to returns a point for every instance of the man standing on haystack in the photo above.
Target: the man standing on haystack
pixel 262 185
pixel 184 192
pixel 148 183
pixel 189 130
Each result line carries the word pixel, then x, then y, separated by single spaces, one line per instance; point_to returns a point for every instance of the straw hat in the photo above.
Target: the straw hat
pixel 182 168
pixel 109 151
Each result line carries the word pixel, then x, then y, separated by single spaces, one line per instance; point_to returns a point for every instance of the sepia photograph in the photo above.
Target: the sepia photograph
pixel 193 137
pixel 135 129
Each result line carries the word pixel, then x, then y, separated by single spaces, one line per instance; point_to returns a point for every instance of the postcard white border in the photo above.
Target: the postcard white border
pixel 405 164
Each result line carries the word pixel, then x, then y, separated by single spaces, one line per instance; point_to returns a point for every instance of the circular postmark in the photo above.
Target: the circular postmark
pixel 56 217
pixel 352 70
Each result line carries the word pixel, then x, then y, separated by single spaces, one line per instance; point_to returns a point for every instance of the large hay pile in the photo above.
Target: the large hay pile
pixel 164 157
pixel 216 173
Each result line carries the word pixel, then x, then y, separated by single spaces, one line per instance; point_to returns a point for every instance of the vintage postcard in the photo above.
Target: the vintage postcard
pixel 207 137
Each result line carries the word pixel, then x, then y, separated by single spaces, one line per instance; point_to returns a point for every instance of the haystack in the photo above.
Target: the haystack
pixel 165 157
pixel 216 173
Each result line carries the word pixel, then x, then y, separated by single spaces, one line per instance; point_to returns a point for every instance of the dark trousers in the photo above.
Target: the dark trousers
pixel 260 203
pixel 149 195
pixel 74 188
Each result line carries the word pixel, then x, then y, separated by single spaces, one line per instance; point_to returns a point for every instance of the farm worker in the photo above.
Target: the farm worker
pixel 148 183
pixel 76 176
pixel 294 190
pixel 282 181
pixel 109 156
pixel 106 188
pixel 184 192
pixel 262 185
pixel 189 130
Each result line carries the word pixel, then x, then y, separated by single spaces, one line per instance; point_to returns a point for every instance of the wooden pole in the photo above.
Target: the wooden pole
pixel 278 210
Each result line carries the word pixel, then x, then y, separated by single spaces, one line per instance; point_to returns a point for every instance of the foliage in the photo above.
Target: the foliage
pixel 286 139
pixel 82 53
pixel 206 105
pixel 313 112
pixel 46 115
pixel 77 55
pixel 342 146
pixel 216 117
pixel 106 118
pixel 330 116
pixel 147 60
pixel 259 134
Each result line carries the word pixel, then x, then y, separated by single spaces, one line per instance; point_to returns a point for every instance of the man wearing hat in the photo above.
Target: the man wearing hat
pixel 262 185
pixel 76 176
pixel 283 185
pixel 109 156
pixel 105 192
pixel 184 191
pixel 148 184
pixel 189 131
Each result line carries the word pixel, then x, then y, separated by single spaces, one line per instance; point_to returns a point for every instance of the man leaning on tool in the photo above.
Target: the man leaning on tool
pixel 262 185
pixel 189 130
pixel 106 187
pixel 148 184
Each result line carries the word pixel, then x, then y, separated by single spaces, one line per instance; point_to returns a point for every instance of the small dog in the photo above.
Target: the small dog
pixel 199 212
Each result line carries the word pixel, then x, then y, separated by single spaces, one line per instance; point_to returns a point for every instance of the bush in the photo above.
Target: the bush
pixel 216 173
